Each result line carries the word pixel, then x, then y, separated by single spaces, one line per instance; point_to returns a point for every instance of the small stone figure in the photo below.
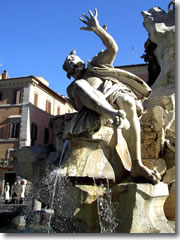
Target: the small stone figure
pixel 112 93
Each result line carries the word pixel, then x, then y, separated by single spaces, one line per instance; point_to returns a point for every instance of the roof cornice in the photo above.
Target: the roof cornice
pixel 24 81
pixel 15 82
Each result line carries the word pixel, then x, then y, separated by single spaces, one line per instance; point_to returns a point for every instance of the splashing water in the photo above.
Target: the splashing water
pixel 107 220
pixel 54 177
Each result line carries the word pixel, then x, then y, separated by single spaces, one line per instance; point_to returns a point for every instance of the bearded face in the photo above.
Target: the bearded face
pixel 72 65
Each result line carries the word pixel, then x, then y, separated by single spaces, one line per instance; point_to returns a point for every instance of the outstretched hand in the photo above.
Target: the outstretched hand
pixel 92 22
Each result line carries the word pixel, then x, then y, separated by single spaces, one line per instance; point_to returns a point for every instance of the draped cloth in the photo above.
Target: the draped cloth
pixel 83 123
pixel 115 82
pixel 125 79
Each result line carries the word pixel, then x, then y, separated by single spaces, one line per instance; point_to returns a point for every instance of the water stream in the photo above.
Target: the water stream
pixel 55 175
pixel 107 219
pixel 60 200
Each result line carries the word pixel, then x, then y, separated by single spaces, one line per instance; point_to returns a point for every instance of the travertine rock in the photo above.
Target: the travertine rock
pixel 169 176
pixel 169 206
pixel 160 107
pixel 158 123
pixel 158 164
pixel 161 28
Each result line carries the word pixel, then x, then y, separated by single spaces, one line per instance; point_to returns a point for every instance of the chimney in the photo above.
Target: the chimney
pixel 5 74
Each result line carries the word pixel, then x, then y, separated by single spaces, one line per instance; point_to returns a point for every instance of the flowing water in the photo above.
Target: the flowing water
pixel 106 210
pixel 59 196
pixel 55 177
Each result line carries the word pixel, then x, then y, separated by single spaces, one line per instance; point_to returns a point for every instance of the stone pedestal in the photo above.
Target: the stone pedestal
pixel 140 208
pixel 122 208
pixel 95 156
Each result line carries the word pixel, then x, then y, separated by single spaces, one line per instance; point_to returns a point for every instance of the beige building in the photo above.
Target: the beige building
pixel 26 105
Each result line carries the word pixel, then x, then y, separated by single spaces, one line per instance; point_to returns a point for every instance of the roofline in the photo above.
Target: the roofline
pixel 133 65
pixel 42 84
pixel 48 88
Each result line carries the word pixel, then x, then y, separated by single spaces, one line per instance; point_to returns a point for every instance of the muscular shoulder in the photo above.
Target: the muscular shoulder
pixel 95 82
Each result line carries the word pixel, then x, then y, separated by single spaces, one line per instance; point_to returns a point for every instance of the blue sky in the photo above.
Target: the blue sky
pixel 37 35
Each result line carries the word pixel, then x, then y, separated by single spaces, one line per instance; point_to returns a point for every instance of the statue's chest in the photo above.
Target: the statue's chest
pixel 95 82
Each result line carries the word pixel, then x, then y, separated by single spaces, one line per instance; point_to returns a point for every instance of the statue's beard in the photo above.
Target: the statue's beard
pixel 76 69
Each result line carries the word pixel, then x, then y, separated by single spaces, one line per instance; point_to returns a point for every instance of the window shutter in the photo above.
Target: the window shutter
pixel 36 99
pixel 58 111
pixel 18 96
pixel 1 94
pixel 46 135
pixel 9 130
pixel 46 106
pixel 34 130
pixel 49 107
pixel 17 134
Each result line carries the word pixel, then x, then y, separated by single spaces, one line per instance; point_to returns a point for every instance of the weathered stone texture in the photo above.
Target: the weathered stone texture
pixel 158 123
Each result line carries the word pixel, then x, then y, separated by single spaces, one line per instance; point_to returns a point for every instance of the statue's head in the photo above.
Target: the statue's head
pixel 73 64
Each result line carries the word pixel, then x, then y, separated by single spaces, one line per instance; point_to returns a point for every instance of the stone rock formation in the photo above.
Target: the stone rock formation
pixel 158 123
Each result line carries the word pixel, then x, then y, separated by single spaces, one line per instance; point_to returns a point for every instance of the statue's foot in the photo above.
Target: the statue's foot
pixel 139 170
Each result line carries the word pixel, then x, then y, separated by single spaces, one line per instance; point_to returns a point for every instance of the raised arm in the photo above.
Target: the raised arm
pixel 108 55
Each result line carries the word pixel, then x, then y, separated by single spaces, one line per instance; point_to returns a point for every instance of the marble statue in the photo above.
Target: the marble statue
pixel 113 93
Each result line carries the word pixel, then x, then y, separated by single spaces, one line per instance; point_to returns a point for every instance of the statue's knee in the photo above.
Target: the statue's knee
pixel 128 102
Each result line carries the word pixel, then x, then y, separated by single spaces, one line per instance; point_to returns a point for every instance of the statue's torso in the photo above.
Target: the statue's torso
pixel 95 82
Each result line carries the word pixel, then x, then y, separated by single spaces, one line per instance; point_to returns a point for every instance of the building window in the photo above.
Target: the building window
pixel 48 106
pixel 34 130
pixel 18 96
pixel 46 135
pixel 1 95
pixel 36 99
pixel 13 130
pixel 58 110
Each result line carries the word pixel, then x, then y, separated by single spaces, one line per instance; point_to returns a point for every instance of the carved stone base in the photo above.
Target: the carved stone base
pixel 95 156
pixel 124 208
pixel 140 208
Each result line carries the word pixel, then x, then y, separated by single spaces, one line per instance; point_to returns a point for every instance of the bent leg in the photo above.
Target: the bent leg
pixel 133 139
pixel 85 95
